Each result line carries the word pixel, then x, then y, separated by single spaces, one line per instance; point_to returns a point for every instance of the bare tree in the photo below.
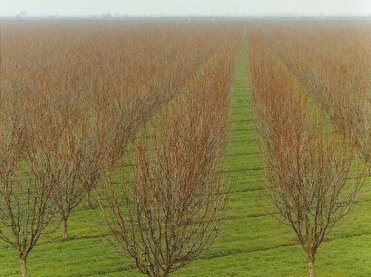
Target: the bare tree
pixel 170 209
pixel 56 144
pixel 311 188
pixel 26 206
pixel 311 180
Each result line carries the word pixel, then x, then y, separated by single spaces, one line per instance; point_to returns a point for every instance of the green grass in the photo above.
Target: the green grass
pixel 252 242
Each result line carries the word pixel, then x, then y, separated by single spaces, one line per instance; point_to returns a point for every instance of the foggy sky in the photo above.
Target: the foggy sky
pixel 184 7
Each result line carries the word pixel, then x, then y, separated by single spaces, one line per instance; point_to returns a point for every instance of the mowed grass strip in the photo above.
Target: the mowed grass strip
pixel 251 243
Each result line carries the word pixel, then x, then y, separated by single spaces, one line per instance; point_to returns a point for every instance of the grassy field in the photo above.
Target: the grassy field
pixel 252 242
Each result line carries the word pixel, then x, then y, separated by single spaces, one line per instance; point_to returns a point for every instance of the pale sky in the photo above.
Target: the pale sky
pixel 184 7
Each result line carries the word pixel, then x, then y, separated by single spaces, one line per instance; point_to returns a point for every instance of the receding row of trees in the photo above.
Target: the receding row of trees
pixel 69 110
pixel 169 209
pixel 334 63
pixel 313 173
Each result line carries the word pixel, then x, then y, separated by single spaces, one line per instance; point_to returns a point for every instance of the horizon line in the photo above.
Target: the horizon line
pixel 160 15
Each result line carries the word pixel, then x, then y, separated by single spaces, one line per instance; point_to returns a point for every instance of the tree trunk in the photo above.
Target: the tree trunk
pixel 311 271
pixel 90 203
pixel 23 264
pixel 65 228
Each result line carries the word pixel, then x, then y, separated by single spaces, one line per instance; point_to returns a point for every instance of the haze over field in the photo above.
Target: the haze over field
pixel 185 7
